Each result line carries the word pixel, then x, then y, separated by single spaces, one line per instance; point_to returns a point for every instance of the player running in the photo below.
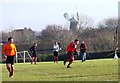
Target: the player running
pixel 71 48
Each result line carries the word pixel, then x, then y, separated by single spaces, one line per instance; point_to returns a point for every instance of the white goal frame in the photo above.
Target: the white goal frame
pixel 22 56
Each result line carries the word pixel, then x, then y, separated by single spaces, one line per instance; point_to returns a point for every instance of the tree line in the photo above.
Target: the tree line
pixel 97 39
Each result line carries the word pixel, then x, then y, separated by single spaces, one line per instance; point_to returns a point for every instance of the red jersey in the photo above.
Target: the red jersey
pixel 83 47
pixel 72 47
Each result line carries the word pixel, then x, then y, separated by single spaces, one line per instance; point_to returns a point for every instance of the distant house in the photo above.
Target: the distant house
pixel 23 35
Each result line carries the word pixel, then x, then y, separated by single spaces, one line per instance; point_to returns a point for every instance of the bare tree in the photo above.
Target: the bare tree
pixel 86 21
pixel 4 36
pixel 109 23
pixel 108 36
pixel 54 33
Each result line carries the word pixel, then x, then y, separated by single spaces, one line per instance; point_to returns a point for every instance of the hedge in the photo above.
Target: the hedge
pixel 90 55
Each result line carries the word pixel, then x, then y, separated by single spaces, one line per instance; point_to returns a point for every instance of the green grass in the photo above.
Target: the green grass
pixel 91 70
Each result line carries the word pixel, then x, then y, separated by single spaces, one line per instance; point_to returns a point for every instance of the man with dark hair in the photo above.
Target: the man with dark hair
pixel 83 48
pixel 10 51
pixel 34 53
pixel 71 48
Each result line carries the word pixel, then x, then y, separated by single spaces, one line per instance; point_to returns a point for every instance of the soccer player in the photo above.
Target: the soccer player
pixel 34 53
pixel 83 48
pixel 10 51
pixel 56 48
pixel 71 48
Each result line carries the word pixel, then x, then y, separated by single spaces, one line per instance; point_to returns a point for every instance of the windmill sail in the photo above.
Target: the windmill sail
pixel 66 16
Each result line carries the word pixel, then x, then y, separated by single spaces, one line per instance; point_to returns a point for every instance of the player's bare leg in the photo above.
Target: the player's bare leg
pixel 35 60
pixel 32 60
pixel 9 69
pixel 12 70
pixel 70 62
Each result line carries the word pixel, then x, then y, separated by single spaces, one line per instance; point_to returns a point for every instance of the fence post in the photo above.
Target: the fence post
pixel 16 58
pixel 115 56
pixel 24 56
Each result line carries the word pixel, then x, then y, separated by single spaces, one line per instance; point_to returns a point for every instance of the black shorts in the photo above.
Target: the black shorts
pixel 34 54
pixel 55 53
pixel 10 60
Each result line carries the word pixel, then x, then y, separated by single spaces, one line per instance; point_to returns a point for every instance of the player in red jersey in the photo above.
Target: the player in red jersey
pixel 71 48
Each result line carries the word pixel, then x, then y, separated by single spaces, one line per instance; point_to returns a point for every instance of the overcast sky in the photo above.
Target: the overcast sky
pixel 37 14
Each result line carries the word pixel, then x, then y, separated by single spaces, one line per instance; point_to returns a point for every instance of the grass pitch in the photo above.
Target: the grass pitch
pixel 91 70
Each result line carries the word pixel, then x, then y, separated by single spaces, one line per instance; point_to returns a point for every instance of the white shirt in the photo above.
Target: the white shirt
pixel 56 48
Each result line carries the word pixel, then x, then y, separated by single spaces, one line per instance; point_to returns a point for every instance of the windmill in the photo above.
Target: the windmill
pixel 74 21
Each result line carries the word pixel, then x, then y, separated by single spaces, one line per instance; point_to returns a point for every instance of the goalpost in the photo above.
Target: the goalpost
pixel 22 55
